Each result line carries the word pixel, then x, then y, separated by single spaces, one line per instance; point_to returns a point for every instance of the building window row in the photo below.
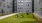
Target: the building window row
pixel 3 0
pixel 23 1
pixel 20 11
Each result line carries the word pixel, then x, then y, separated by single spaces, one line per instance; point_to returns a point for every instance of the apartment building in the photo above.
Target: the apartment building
pixel 38 7
pixel 24 6
pixel 6 6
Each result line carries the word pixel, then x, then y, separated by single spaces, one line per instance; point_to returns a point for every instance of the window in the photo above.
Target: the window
pixel 15 2
pixel 7 2
pixel 19 11
pixel 18 1
pixel 3 5
pixel 11 10
pixel 8 6
pixel 3 0
pixel 20 7
pixel 26 1
pixel 2 11
pixel 18 4
pixel 21 4
pixel 21 1
pixel 10 3
pixel 22 11
pixel 15 10
pixel 40 1
pixel 14 7
pixel 0 4
pixel 28 4
pixel 27 8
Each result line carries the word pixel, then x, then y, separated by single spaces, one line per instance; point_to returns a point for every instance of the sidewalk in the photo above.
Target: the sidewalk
pixel 5 16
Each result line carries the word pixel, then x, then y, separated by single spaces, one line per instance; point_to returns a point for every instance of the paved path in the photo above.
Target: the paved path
pixel 5 16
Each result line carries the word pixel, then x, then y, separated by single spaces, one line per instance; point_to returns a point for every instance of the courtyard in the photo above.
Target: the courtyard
pixel 27 18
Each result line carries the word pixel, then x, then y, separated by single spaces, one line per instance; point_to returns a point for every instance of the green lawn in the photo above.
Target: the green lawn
pixel 26 19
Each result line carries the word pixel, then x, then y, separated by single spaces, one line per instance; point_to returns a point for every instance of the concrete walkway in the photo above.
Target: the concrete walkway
pixel 5 16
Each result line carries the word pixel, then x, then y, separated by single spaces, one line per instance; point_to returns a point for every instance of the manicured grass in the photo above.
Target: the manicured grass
pixel 17 20
pixel 25 15
pixel 13 19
